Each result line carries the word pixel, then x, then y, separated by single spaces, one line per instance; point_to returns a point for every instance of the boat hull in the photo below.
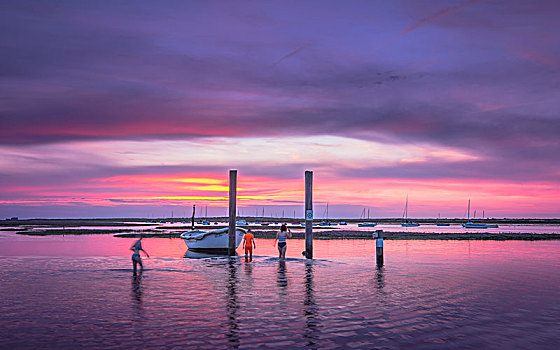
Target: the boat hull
pixel 367 224
pixel 473 225
pixel 212 241
pixel 409 224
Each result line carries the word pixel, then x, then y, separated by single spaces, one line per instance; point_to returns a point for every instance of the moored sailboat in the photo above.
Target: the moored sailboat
pixel 470 224
pixel 406 222
pixel 441 223
pixel 366 223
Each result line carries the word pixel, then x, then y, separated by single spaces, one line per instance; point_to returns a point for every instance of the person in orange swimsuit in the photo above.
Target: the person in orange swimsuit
pixel 248 244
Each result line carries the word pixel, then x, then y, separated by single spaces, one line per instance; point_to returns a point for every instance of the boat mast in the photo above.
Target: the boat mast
pixel 406 209
pixel 469 211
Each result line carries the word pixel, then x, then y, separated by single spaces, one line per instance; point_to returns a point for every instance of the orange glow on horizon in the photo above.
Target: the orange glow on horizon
pixel 385 196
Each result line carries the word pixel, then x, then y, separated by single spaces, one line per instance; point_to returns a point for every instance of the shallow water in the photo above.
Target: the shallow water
pixel 79 291
pixel 424 228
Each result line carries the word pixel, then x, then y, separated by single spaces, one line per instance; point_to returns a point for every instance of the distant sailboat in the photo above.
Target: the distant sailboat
pixel 205 221
pixel 489 225
pixel 470 224
pixel 327 223
pixel 441 223
pixel 407 223
pixel 366 223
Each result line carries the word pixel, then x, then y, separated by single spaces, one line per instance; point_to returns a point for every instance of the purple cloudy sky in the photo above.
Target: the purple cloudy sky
pixel 443 100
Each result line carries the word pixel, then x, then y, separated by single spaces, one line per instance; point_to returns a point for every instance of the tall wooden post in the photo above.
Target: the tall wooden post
pixel 192 217
pixel 379 247
pixel 308 215
pixel 232 204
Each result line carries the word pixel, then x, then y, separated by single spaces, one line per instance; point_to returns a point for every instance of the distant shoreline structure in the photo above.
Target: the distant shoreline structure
pixel 142 221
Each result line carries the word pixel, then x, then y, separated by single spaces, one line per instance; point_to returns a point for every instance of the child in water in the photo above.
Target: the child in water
pixel 136 248
pixel 248 243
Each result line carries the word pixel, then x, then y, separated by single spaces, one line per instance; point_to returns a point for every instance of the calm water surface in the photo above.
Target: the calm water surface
pixel 79 291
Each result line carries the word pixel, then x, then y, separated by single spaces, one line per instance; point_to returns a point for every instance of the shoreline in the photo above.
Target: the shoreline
pixel 223 221
pixel 322 235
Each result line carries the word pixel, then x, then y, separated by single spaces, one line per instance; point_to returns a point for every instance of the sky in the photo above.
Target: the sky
pixel 140 108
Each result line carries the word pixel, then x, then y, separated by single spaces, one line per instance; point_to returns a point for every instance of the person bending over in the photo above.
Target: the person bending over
pixel 136 259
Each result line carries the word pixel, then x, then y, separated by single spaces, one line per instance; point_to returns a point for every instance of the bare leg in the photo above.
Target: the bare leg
pixel 141 266
pixel 134 267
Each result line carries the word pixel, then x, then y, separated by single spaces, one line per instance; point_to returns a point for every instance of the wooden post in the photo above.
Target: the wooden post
pixel 308 215
pixel 379 247
pixel 192 218
pixel 232 218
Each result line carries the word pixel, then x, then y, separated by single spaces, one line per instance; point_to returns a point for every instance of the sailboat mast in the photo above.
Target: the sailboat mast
pixel 406 209
pixel 469 211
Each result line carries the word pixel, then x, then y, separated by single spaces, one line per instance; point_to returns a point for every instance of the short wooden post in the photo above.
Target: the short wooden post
pixel 308 215
pixel 379 247
pixel 232 204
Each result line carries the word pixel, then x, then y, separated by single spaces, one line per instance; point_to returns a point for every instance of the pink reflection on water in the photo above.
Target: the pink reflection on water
pixel 394 250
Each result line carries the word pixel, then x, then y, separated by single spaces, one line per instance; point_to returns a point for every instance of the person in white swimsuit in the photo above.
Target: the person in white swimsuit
pixel 281 237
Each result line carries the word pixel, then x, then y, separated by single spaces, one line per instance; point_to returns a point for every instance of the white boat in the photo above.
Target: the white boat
pixel 407 223
pixel 214 240
pixel 241 222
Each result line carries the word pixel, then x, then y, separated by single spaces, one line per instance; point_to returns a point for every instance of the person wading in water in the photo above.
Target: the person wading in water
pixel 281 237
pixel 136 259
pixel 248 243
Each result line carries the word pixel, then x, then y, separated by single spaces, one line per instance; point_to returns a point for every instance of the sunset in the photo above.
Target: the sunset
pixel 361 174
pixel 429 100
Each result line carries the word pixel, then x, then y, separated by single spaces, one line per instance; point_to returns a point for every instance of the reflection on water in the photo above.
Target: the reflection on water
pixel 137 288
pixel 282 279
pixel 202 255
pixel 310 310
pixel 232 304
pixel 380 278
pixel 137 316
pixel 466 295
